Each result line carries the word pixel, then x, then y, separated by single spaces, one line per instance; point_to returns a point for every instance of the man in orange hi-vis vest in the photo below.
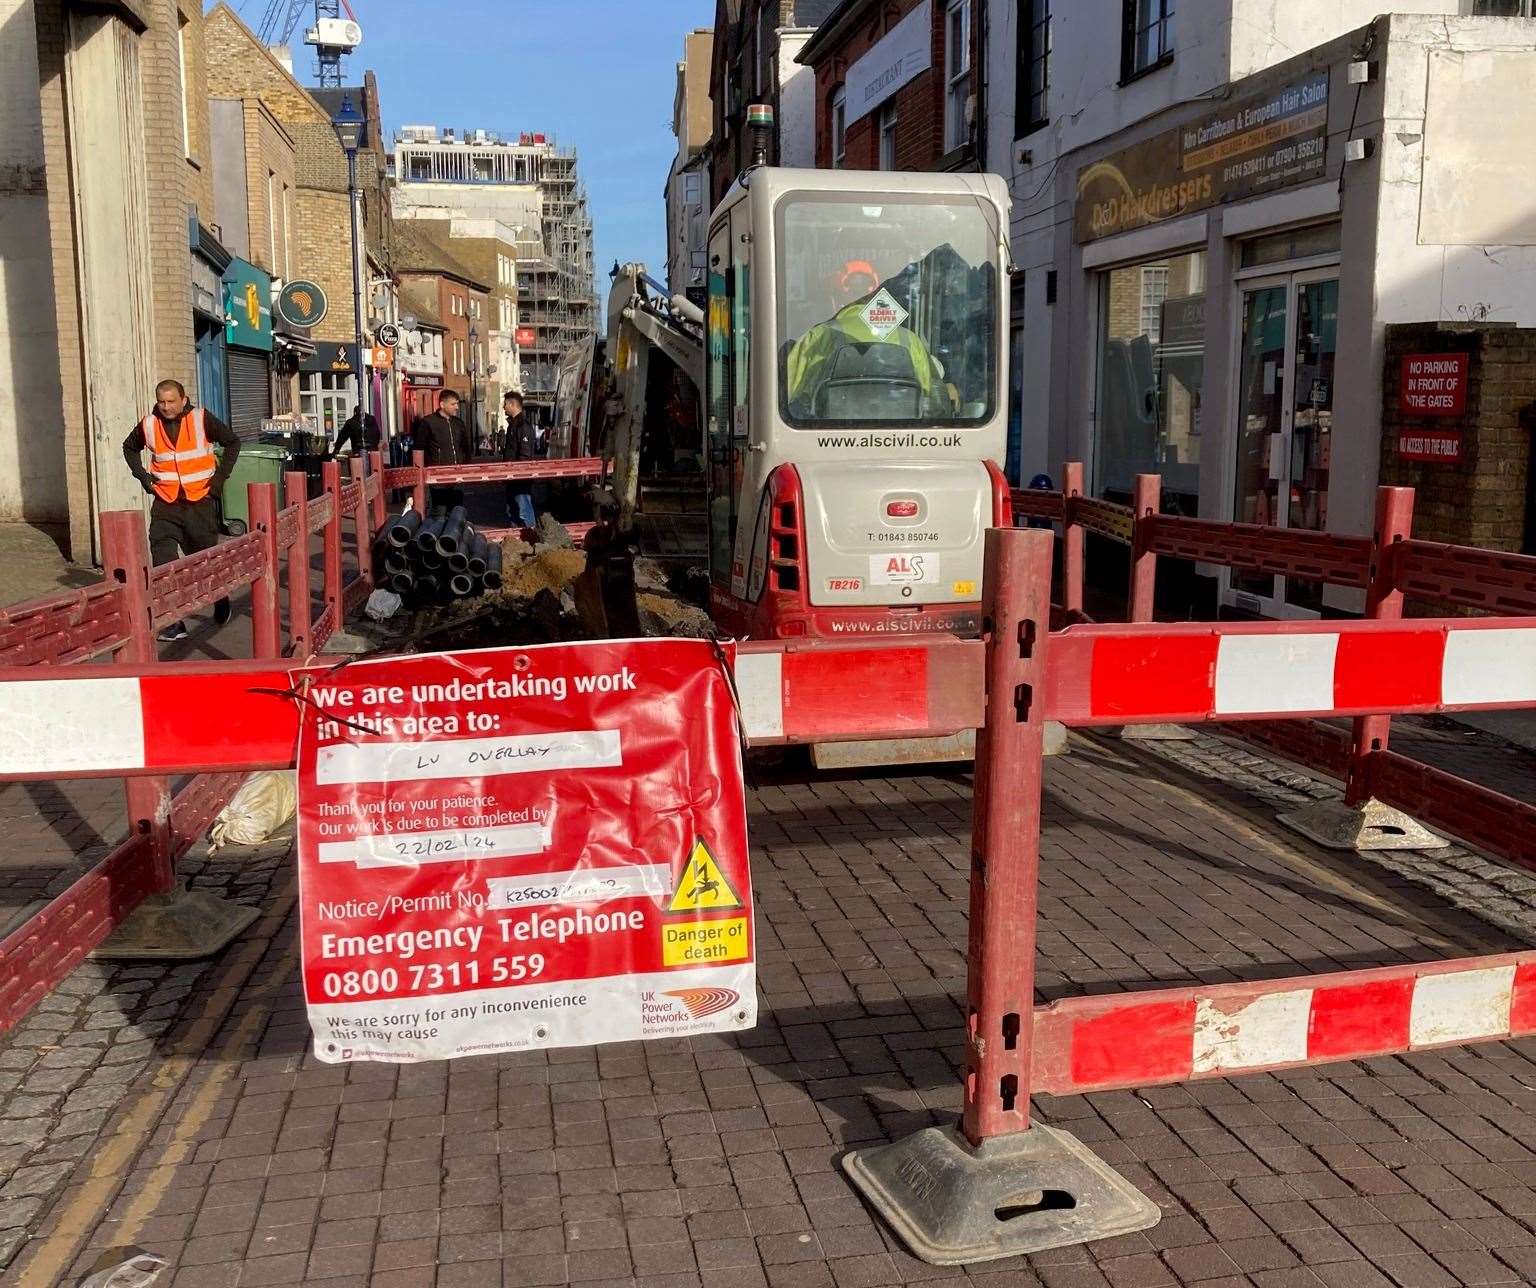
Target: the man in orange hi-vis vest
pixel 185 476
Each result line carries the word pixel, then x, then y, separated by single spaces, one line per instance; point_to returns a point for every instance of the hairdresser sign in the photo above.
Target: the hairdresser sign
pixel 524 847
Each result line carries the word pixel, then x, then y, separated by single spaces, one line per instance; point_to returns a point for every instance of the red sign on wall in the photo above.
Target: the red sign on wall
pixel 1434 384
pixel 524 335
pixel 1443 445
pixel 523 847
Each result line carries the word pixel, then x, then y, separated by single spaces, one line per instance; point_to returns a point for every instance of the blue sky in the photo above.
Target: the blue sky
pixel 597 74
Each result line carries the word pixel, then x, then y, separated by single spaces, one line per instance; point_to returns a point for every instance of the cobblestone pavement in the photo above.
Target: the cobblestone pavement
pixel 176 1108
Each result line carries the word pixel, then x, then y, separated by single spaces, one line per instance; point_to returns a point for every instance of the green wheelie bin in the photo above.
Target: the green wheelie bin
pixel 257 463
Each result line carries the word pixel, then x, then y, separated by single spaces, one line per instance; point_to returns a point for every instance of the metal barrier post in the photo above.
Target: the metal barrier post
pixel 1145 504
pixel 376 474
pixel 1071 541
pixel 300 610
pixel 266 621
pixel 330 474
pixel 1383 602
pixel 1000 1186
pixel 360 523
pixel 1361 822
pixel 419 488
pixel 125 560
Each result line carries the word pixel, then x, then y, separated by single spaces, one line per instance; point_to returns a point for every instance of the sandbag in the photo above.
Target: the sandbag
pixel 265 801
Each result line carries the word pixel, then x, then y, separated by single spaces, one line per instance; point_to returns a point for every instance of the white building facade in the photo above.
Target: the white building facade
pixel 1217 215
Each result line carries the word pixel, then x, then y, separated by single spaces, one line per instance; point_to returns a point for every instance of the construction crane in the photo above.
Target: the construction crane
pixel 332 35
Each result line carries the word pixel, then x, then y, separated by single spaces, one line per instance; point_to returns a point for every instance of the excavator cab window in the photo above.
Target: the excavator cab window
pixel 908 284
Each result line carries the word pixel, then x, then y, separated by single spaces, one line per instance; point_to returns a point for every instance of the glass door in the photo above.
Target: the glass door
pixel 1288 326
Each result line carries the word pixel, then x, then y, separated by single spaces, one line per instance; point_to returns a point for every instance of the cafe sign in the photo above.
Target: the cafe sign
pixel 1252 146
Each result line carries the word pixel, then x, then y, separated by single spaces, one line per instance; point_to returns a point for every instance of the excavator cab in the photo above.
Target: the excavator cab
pixel 855 400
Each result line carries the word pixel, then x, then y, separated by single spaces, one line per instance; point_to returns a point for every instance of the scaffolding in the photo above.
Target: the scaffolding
pixel 471 172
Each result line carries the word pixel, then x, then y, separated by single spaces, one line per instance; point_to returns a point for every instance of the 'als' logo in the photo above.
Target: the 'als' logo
pixel 900 568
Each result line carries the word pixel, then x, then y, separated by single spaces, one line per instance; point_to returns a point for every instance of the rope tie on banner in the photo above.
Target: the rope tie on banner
pixel 729 674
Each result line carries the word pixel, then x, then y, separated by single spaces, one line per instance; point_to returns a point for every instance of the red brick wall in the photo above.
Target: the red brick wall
pixel 919 103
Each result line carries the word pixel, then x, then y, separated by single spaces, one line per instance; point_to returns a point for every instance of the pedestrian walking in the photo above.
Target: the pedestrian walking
pixel 185 476
pixel 522 440
pixel 359 432
pixel 443 439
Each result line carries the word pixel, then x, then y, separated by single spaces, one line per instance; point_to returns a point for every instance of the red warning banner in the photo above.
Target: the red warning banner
pixel 511 848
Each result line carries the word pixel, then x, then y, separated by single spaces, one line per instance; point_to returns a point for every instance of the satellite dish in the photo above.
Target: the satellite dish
pixel 408 321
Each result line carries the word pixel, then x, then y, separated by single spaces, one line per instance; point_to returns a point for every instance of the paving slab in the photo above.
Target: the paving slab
pixel 219 1143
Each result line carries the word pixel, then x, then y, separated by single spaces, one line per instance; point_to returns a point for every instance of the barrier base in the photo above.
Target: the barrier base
pixel 953 1203
pixel 894 751
pixel 1156 733
pixel 179 926
pixel 1372 826
pixel 1055 738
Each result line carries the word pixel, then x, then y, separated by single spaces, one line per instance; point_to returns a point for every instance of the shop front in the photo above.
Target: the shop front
pixel 248 340
pixel 328 386
pixel 209 260
pixel 1209 258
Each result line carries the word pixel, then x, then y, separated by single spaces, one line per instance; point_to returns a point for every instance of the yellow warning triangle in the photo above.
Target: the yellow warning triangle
pixel 701 884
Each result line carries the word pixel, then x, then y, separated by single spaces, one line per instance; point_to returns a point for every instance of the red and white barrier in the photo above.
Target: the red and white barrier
pixel 1124 674
pixel 105 721
pixel 1143 1039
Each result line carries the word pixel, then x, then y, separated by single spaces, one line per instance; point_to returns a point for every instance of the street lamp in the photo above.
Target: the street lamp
pixel 474 408
pixel 348 124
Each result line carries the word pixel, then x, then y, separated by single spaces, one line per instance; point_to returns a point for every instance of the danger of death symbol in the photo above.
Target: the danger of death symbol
pixel 701 886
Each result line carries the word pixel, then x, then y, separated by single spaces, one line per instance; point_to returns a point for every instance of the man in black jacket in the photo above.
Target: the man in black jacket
pixel 443 439
pixel 360 432
pixel 185 478
pixel 522 441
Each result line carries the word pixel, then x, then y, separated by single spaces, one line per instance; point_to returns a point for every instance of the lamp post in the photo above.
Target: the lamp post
pixel 348 124
pixel 474 387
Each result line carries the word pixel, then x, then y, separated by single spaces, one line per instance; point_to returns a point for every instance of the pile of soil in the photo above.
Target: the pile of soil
pixel 537 603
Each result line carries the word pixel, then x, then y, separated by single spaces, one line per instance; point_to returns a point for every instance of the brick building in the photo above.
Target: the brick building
pixel 105 201
pixel 241 67
pixel 487 249
pixel 896 86
pixel 1466 454
pixel 753 60
pixel 436 285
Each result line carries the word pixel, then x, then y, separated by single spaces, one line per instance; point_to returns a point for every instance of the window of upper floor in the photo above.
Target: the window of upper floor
pixel 839 128
pixel 1500 8
pixel 957 73
pixel 1146 40
pixel 1031 108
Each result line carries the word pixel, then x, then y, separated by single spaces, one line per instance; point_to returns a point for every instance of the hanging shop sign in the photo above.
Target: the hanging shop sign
pixel 388 335
pixel 302 303
pixel 904 52
pixel 1253 146
pixel 524 337
pixel 381 357
pixel 1433 384
pixel 331 356
pixel 523 847
pixel 247 306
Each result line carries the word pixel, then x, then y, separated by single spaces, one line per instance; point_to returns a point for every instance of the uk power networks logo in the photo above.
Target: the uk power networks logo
pixel 705 1001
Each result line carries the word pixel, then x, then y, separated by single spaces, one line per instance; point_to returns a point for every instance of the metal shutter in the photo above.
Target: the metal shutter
pixel 250 393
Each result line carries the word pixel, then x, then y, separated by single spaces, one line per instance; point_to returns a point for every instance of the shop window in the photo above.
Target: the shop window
pixel 957 73
pixel 1151 377
pixel 1146 40
pixel 839 128
pixel 1294 243
pixel 1034 71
